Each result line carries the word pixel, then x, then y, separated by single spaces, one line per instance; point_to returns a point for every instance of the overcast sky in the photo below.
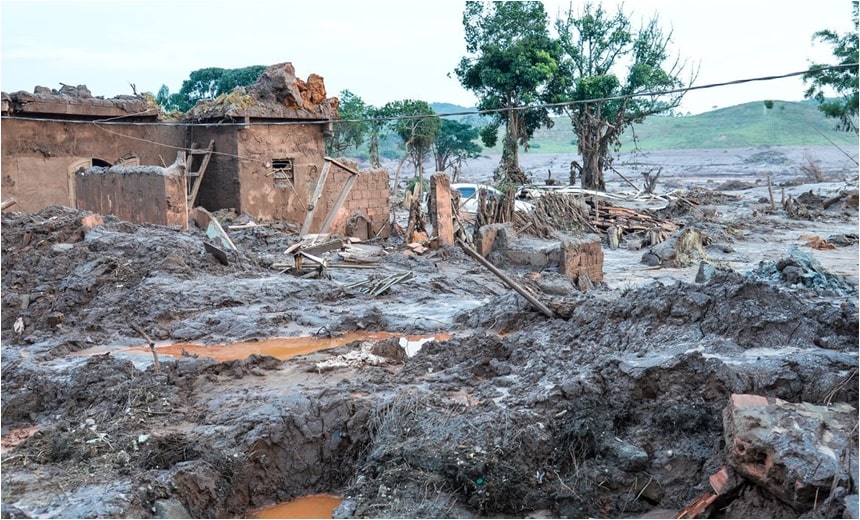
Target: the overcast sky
pixel 380 50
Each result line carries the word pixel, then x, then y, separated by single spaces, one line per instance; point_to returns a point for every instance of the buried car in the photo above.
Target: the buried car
pixel 469 197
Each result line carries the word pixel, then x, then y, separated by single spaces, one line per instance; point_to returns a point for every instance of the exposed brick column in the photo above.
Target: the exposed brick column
pixel 441 216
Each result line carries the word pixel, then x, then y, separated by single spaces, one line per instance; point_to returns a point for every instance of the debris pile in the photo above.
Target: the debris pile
pixel 277 94
pixel 574 212
pixel 799 269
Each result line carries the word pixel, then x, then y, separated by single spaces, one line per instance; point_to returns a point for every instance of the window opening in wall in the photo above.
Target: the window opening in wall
pixel 283 174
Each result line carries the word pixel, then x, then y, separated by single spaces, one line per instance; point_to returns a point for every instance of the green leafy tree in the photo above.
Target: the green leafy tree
pixel 842 81
pixel 167 101
pixel 455 144
pixel 352 128
pixel 207 83
pixel 511 62
pixel 418 127
pixel 612 59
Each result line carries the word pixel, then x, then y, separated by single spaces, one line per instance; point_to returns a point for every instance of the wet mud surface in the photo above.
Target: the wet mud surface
pixel 612 409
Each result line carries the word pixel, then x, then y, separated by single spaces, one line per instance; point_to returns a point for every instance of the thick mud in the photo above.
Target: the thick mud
pixel 612 409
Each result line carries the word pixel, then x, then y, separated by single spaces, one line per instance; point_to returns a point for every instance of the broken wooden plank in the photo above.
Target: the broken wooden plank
pixel 8 203
pixel 218 253
pixel 313 258
pixel 512 284
pixel 698 506
pixel 312 204
pixel 340 200
pixel 332 245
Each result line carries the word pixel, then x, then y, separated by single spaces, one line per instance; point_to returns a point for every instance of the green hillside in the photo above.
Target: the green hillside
pixel 788 123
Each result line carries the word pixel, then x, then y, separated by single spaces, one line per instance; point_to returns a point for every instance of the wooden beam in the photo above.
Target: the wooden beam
pixel 340 200
pixel 198 179
pixel 316 197
pixel 350 169
pixel 512 284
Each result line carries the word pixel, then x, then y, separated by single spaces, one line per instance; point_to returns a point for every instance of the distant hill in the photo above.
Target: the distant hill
pixel 468 118
pixel 788 123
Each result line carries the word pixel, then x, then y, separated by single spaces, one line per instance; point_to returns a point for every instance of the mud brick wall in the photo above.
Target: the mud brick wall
pixel 139 195
pixel 240 174
pixel 39 157
pixel 369 197
pixel 582 257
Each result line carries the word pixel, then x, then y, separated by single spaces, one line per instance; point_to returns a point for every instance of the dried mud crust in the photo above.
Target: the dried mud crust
pixel 613 409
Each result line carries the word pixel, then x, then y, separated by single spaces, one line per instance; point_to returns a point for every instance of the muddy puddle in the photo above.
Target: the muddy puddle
pixel 281 348
pixel 313 506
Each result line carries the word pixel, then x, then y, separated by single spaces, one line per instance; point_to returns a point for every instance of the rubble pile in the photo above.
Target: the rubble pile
pixel 277 94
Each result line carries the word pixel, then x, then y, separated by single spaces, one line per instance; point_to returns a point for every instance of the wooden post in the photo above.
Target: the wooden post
pixel 612 234
pixel 770 191
pixel 512 284
pixel 315 198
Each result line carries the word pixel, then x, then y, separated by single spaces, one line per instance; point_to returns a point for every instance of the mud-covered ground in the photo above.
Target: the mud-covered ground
pixel 614 408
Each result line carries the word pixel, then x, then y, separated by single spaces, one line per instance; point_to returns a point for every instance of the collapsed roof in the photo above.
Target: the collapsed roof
pixel 278 94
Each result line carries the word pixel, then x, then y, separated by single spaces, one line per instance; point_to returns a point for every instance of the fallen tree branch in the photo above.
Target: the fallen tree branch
pixel 151 347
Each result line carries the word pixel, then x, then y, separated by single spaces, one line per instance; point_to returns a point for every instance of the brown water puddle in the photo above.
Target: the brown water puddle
pixel 281 348
pixel 313 506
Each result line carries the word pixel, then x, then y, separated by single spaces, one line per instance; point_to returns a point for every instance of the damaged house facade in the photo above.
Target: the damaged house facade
pixel 258 150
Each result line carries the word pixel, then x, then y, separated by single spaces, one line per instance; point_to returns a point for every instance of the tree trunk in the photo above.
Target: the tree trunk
pixel 394 188
pixel 374 153
pixel 592 169
pixel 509 169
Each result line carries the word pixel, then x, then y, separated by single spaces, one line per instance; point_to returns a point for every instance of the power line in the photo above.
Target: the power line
pixel 657 93
pixel 101 123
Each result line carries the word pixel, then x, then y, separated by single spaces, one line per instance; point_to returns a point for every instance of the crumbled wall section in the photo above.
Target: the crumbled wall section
pixel 256 130
pixel 138 194
pixel 582 257
pixel 368 197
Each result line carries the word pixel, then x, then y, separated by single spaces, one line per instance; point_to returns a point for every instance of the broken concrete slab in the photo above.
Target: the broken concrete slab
pixel 799 452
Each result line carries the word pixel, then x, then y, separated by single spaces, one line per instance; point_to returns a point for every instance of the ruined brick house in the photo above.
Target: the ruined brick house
pixel 267 160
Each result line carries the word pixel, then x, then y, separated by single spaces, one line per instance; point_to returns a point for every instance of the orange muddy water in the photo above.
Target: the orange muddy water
pixel 313 506
pixel 284 348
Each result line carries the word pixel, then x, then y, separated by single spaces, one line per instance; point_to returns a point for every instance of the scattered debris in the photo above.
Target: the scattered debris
pixel 800 269
pixel 375 286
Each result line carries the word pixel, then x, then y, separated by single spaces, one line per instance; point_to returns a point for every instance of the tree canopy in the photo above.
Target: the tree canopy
pixel 353 127
pixel 512 62
pixel 455 144
pixel 842 81
pixel 207 83
pixel 618 72
pixel 417 126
